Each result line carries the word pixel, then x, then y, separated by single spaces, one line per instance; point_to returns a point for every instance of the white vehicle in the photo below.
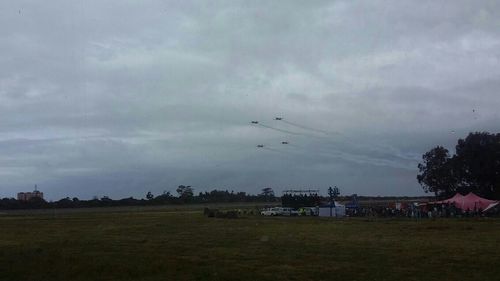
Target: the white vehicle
pixel 278 211
pixel 289 212
pixel 271 212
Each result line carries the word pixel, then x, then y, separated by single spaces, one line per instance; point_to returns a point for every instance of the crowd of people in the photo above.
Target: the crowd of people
pixel 418 211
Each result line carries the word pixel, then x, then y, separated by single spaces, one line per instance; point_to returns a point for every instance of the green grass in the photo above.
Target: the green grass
pixel 183 245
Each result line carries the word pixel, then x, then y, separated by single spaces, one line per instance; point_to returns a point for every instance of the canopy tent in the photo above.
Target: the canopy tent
pixel 456 198
pixel 491 206
pixel 469 202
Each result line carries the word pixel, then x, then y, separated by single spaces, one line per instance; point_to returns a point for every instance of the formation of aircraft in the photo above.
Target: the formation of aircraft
pixel 278 118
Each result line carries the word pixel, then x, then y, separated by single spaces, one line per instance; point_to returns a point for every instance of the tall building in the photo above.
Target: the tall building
pixel 27 196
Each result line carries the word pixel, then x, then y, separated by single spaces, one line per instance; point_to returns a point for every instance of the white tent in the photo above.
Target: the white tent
pixel 337 211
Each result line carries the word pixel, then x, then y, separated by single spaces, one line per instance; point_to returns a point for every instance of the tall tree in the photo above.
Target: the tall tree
pixel 437 172
pixel 185 192
pixel 478 156
pixel 268 193
pixel 475 167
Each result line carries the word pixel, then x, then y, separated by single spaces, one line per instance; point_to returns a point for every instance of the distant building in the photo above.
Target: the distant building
pixel 27 196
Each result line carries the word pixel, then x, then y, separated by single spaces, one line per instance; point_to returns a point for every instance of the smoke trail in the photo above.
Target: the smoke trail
pixel 272 149
pixel 308 128
pixel 282 130
pixel 360 158
pixel 312 150
pixel 293 145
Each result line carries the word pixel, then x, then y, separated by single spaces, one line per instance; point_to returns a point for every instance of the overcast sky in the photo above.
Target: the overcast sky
pixel 119 98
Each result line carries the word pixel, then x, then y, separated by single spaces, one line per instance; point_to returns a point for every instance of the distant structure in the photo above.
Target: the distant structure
pixel 27 196
pixel 301 191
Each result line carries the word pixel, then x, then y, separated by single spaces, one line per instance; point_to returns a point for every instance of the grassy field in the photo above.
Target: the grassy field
pixel 169 244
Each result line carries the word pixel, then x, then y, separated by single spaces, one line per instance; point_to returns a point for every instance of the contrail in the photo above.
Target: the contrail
pixel 359 158
pixel 272 149
pixel 307 127
pixel 293 145
pixel 292 132
pixel 281 130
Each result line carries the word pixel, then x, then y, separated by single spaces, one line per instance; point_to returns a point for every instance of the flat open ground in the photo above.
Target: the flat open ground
pixel 181 244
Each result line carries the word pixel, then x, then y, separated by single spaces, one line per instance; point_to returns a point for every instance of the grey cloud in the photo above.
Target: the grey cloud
pixel 122 97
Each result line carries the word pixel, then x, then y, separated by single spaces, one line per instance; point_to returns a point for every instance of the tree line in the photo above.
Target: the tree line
pixel 475 167
pixel 300 200
pixel 185 195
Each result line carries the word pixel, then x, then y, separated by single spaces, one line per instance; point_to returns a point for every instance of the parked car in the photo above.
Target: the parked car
pixel 289 212
pixel 279 211
pixel 271 212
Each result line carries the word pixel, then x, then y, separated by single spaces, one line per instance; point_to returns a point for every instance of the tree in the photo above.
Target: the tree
pixel 267 193
pixel 478 171
pixel 165 197
pixel 149 196
pixel 436 173
pixel 185 192
pixel 475 167
pixel 64 203
pixel 37 202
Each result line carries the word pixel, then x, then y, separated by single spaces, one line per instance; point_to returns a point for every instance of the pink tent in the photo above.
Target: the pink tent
pixel 456 198
pixel 469 202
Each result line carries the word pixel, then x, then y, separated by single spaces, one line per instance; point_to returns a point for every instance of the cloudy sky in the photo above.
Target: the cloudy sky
pixel 122 97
